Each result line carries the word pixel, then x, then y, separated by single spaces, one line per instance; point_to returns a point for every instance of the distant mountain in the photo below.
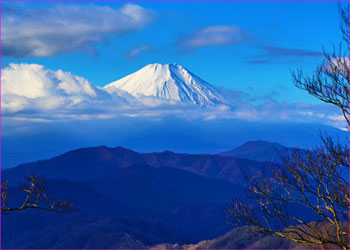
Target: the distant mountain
pixel 90 163
pixel 262 151
pixel 169 82
pixel 193 136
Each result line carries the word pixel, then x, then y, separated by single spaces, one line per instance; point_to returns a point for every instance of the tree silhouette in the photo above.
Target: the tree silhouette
pixel 35 198
pixel 317 181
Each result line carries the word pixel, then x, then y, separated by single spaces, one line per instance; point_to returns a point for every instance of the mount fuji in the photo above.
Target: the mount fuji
pixel 169 82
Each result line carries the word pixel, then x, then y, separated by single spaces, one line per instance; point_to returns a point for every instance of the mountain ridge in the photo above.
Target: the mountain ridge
pixel 88 163
pixel 263 151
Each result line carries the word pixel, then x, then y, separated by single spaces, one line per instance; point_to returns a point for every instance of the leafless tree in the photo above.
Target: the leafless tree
pixel 317 182
pixel 330 83
pixel 35 197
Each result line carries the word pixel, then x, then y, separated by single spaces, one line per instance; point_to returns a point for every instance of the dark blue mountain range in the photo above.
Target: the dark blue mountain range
pixel 126 199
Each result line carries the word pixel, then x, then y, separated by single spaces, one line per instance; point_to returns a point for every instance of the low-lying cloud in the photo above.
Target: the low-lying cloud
pixel 37 32
pixel 34 88
pixel 33 92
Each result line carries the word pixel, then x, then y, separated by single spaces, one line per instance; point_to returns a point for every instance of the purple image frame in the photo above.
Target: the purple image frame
pixel 125 1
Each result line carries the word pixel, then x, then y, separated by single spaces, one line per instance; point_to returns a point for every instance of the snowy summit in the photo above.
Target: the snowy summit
pixel 170 82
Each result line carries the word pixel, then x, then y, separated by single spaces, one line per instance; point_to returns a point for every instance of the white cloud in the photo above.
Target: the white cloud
pixel 220 35
pixel 33 87
pixel 31 91
pixel 338 65
pixel 41 32
pixel 292 112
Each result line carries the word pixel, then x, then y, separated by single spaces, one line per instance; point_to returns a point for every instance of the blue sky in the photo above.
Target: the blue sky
pixel 262 42
pixel 56 56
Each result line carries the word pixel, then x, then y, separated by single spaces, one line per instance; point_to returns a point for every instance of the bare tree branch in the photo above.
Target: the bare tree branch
pixel 36 197
pixel 317 181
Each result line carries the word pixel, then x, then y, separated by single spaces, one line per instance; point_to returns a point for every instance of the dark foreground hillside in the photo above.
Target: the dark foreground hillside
pixel 248 238
pixel 238 238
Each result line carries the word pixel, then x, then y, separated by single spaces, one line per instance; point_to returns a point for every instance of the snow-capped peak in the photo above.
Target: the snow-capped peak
pixel 170 82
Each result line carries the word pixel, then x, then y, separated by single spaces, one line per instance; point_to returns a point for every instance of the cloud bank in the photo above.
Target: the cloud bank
pixel 32 88
pixel 33 92
pixel 36 32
